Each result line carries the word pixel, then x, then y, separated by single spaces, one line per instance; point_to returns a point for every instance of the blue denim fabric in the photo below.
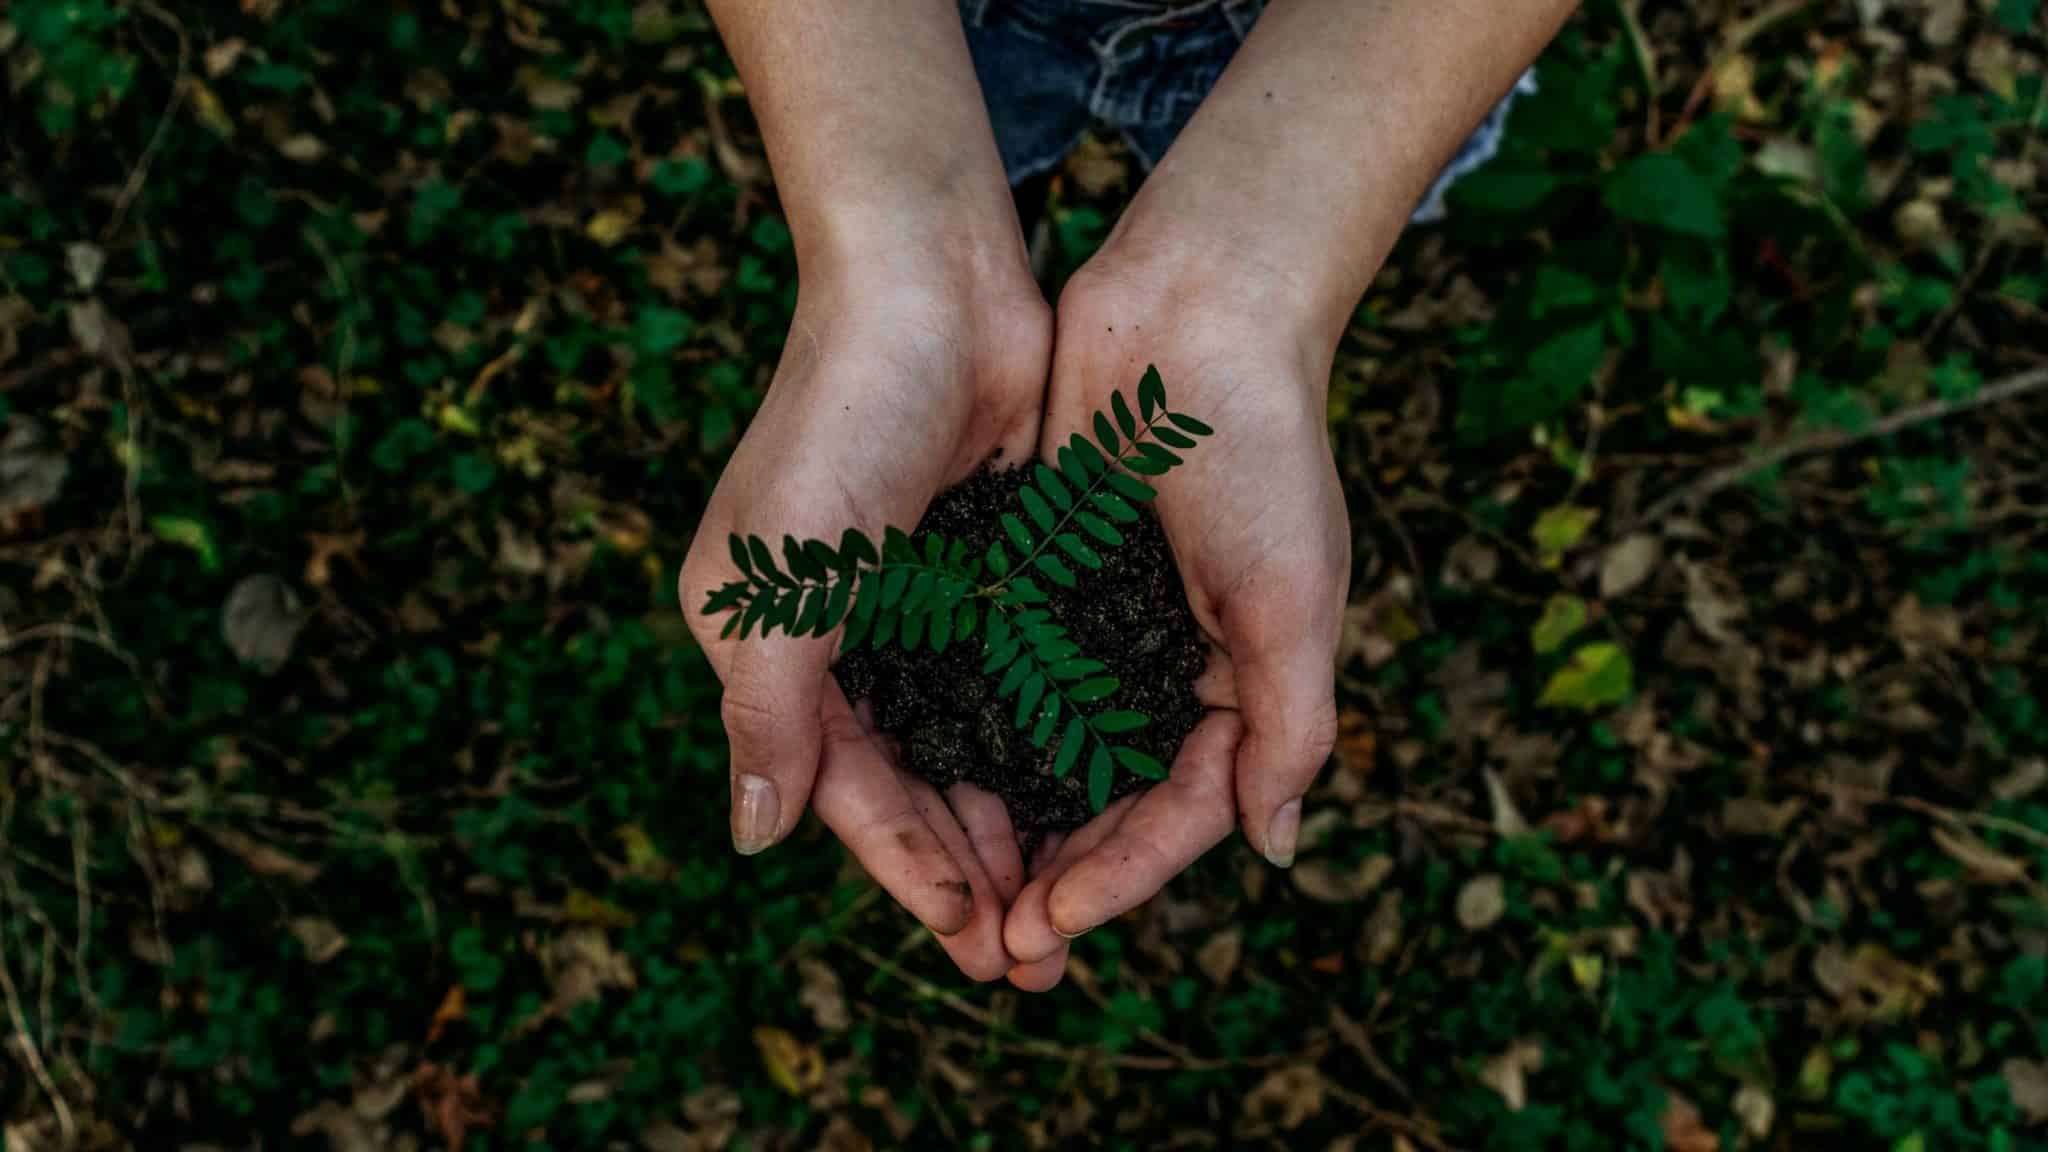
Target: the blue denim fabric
pixel 1049 67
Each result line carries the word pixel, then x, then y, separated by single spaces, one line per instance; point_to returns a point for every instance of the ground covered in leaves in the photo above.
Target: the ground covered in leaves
pixel 363 368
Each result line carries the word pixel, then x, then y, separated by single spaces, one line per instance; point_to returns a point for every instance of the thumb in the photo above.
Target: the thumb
pixel 1287 698
pixel 773 690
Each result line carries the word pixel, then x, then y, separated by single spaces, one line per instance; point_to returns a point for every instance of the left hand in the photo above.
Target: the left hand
pixel 1257 523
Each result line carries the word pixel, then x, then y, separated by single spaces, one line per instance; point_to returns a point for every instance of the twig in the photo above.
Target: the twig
pixel 1381 505
pixel 140 173
pixel 1831 439
pixel 1381 1118
pixel 1646 63
pixel 34 1054
pixel 1735 40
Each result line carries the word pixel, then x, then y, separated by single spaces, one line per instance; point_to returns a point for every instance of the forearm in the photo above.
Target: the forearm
pixel 876 131
pixel 1305 161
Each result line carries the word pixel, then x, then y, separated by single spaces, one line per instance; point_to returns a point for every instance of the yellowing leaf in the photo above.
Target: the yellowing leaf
pixel 207 107
pixel 1587 968
pixel 1559 529
pixel 796 1067
pixel 609 227
pixel 1562 617
pixel 186 533
pixel 586 908
pixel 1598 676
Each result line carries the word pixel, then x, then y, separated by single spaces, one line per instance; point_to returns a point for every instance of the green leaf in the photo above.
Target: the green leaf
pixel 1027 591
pixel 941 627
pixel 998 632
pixel 1598 676
pixel 1136 761
pixel 1001 656
pixel 1158 455
pixel 1070 747
pixel 1115 506
pixel 1051 487
pixel 1027 698
pixel 893 582
pixel 1089 691
pixel 1099 777
pixel 1035 506
pixel 1090 458
pixel 1070 467
pixel 856 548
pixel 896 547
pixel 1084 555
pixel 726 597
pixel 1562 617
pixel 1172 439
pixel 885 629
pixel 756 612
pixel 732 624
pixel 966 619
pixel 1014 678
pixel 913 629
pixel 1105 435
pixel 1663 191
pixel 919 591
pixel 1130 489
pixel 1124 419
pixel 1048 715
pixel 934 550
pixel 764 561
pixel 1055 649
pixel 822 555
pixel 1559 529
pixel 1121 721
pixel 1055 571
pixel 813 608
pixel 1151 392
pixel 1189 424
pixel 1145 465
pixel 835 606
pixel 999 560
pixel 1071 669
pixel 1019 534
pixel 1100 529
pixel 740 559
pixel 801 565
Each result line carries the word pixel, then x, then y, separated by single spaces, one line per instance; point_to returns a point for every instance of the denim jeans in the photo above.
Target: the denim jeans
pixel 1050 67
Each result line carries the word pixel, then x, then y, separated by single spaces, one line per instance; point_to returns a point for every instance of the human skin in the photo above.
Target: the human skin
pixel 1234 270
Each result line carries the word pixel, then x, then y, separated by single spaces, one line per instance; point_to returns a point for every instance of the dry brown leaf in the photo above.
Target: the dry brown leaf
pixel 1628 564
pixel 319 937
pixel 2027 1082
pixel 262 858
pixel 1287 1097
pixel 822 995
pixel 1757 1109
pixel 1482 902
pixel 1683 1129
pixel 1508 1073
pixel 1324 881
pixel 1983 861
pixel 1218 958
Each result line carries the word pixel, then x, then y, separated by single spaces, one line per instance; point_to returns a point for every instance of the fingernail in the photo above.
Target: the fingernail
pixel 755 813
pixel 1070 935
pixel 1282 833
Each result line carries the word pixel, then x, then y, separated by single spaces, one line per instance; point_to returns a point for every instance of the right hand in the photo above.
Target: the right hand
pixel 894 385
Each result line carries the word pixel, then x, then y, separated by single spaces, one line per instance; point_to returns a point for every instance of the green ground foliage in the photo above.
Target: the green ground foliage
pixel 364 365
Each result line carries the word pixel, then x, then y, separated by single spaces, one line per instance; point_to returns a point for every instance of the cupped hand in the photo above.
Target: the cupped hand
pixel 1257 524
pixel 888 392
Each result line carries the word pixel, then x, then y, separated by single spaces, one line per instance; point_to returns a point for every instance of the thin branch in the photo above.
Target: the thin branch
pixel 34 1054
pixel 140 173
pixel 1831 439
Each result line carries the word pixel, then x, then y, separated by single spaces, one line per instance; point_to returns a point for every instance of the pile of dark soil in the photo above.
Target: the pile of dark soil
pixel 944 714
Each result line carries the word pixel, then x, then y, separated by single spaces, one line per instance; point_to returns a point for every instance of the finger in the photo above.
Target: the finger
pixel 976 949
pixel 774 688
pixel 1041 975
pixel 1169 827
pixel 986 820
pixel 1216 687
pixel 867 805
pixel 1027 931
pixel 1288 699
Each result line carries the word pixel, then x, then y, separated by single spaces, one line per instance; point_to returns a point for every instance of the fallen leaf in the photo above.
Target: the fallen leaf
pixel 453 1104
pixel 262 858
pixel 1357 744
pixel 1598 675
pixel 1508 1073
pixel 32 472
pixel 1326 882
pixel 319 937
pixel 261 621
pixel 608 227
pixel 822 995
pixel 452 1007
pixel 1287 1097
pixel 1219 956
pixel 1562 618
pixel 1627 564
pixel 1507 819
pixel 1560 529
pixel 1757 1109
pixel 2027 1082
pixel 795 1067
pixel 1983 861
pixel 1482 902
pixel 1709 606
pixel 1683 1129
